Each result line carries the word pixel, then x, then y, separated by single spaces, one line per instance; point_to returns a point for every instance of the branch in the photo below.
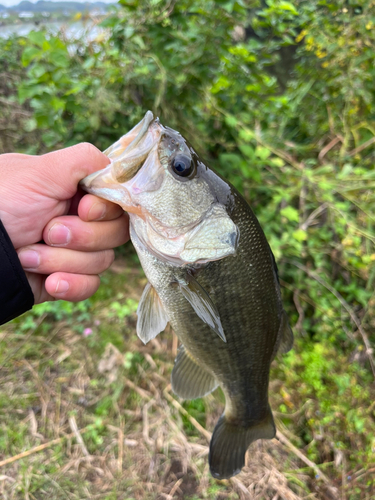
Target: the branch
pixel 182 410
pixel 329 146
pixel 363 146
pixel 77 434
pixel 41 447
pixel 343 302
pixel 280 436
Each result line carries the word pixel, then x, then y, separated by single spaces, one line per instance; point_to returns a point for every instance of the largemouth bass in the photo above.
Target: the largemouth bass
pixel 211 274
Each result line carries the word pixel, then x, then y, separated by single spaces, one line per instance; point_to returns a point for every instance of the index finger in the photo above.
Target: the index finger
pixel 66 167
pixel 92 208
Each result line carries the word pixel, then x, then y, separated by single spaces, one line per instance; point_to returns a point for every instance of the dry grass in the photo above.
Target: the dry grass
pixel 93 418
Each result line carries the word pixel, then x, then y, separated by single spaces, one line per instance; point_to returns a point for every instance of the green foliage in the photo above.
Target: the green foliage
pixel 197 409
pixel 95 432
pixel 123 309
pixel 62 310
pixel 279 98
pixel 339 400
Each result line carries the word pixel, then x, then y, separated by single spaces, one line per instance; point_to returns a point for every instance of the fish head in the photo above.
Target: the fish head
pixel 171 196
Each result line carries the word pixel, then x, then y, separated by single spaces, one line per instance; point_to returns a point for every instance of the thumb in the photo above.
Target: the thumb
pixel 66 167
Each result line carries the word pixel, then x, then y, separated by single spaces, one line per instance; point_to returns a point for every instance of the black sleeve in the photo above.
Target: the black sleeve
pixel 16 296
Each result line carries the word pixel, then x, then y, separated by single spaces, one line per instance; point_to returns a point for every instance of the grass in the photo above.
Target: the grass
pixel 86 412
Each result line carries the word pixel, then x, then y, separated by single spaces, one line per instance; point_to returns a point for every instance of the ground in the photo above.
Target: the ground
pixel 87 412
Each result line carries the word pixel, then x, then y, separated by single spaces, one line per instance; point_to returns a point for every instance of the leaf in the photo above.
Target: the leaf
pixel 50 138
pixel 78 87
pixel 89 63
pixel 290 213
pixel 139 41
pixel 128 31
pixel 60 58
pixel 37 37
pixel 277 162
pixel 231 121
pixel 37 70
pixel 230 159
pixel 300 235
pixel 247 151
pixel 28 55
pixel 262 152
pixel 30 125
pixel 27 91
pixel 288 7
pixel 221 84
pixel 57 104
pixel 246 134
pixel 249 172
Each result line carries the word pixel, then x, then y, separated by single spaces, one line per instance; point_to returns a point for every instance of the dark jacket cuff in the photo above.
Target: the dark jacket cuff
pixel 16 296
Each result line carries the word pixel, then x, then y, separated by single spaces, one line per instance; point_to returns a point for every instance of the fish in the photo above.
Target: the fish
pixel 211 275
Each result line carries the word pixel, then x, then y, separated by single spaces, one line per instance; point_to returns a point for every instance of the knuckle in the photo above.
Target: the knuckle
pixel 88 153
pixel 85 287
pixel 109 258
pixel 86 239
pixel 89 285
pixel 104 259
pixel 87 149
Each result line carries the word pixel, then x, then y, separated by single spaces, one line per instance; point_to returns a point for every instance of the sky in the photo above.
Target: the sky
pixel 9 3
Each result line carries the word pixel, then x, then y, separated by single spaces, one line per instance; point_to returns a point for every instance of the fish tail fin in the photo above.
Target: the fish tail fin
pixel 230 442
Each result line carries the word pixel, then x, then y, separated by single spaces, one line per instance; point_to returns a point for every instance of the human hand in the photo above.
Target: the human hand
pixel 39 201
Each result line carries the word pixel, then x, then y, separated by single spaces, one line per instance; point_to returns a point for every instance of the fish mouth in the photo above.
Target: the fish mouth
pixel 130 140
pixel 127 155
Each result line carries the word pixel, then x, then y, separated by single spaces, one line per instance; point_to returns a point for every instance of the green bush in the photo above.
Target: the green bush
pixel 279 98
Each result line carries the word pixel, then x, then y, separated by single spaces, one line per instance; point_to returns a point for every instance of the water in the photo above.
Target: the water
pixel 72 30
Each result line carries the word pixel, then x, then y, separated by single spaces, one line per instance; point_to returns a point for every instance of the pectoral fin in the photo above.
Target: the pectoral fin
pixel 202 304
pixel 190 380
pixel 152 318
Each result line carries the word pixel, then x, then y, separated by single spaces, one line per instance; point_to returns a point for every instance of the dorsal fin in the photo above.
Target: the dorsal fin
pixel 286 334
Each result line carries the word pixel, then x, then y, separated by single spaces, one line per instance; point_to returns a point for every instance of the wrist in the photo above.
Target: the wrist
pixel 16 296
pixel 5 220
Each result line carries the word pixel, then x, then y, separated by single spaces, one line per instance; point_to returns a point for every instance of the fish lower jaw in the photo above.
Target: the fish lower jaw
pixel 181 257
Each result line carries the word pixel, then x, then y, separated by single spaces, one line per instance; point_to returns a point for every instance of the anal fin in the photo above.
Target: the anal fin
pixel 152 318
pixel 190 380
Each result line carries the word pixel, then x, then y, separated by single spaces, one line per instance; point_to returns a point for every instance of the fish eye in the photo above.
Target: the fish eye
pixel 182 165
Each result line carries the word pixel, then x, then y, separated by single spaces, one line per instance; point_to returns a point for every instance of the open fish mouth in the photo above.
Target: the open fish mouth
pixel 127 156
pixel 130 140
pixel 157 177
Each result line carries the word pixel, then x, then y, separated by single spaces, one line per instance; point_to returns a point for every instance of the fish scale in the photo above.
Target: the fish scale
pixel 244 291
pixel 211 275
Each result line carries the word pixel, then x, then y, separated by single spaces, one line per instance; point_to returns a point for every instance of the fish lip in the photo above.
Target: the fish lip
pixel 118 147
pixel 118 152
pixel 145 124
pixel 87 182
pixel 129 158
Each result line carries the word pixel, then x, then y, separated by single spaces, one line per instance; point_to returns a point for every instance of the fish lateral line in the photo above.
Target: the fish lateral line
pixel 185 217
